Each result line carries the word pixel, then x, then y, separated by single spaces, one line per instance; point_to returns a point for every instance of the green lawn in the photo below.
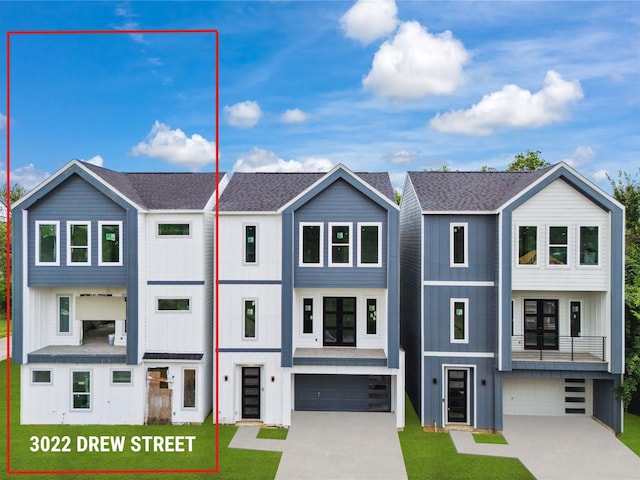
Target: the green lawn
pixel 3 324
pixel 273 433
pixel 493 438
pixel 631 435
pixel 433 456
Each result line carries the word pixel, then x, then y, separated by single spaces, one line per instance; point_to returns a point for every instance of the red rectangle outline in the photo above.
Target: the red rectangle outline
pixel 8 250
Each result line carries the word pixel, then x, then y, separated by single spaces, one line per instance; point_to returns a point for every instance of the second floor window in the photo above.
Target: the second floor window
pixel 369 251
pixel 458 244
pixel 527 245
pixel 79 243
pixel 249 319
pixel 340 252
pixel 588 245
pixel 64 314
pixel 310 244
pixel 558 245
pixel 110 243
pixel 47 245
pixel 307 316
pixel 250 244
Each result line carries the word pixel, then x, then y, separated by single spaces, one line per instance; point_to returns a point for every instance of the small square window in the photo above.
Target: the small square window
pixel 41 376
pixel 121 376
pixel 174 304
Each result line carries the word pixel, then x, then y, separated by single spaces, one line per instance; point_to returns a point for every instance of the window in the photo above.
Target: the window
pixel 369 242
pixel 78 243
pixel 174 229
pixel 307 315
pixel 189 388
pixel 121 377
pixel 528 245
pixel 174 304
pixel 588 245
pixel 81 390
pixel 249 319
pixel 339 321
pixel 47 246
pixel 64 314
pixel 372 316
pixel 311 253
pixel 110 243
pixel 340 251
pixel 459 320
pixel 540 324
pixel 250 244
pixel 41 376
pixel 558 245
pixel 458 245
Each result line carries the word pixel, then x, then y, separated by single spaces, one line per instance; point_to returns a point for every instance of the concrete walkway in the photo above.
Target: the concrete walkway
pixel 563 448
pixel 333 445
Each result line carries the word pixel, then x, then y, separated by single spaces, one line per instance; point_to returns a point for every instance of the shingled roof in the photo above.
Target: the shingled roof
pixel 469 191
pixel 159 191
pixel 267 192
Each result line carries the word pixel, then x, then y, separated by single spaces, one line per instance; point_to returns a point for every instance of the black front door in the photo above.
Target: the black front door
pixel 339 321
pixel 541 324
pixel 251 392
pixel 457 396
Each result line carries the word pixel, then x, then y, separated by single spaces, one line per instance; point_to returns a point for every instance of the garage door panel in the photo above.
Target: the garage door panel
pixel 546 396
pixel 349 393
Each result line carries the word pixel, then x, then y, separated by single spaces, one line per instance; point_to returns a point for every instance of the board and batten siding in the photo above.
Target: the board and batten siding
pixel 559 204
pixel 340 203
pixel 76 200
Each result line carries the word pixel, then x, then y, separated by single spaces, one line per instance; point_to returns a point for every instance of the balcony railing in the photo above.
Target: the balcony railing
pixel 545 348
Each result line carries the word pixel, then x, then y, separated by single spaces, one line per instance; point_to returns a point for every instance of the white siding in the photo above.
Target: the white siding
pixel 559 204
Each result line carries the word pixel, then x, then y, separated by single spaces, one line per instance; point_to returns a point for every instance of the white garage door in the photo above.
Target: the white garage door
pixel 556 396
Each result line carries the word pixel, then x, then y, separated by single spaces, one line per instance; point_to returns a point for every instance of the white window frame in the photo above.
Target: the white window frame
pixel 330 244
pixel 452 320
pixel 124 384
pixel 370 224
pixel 301 226
pixel 33 370
pixel 579 246
pixel 173 222
pixel 255 319
pixel 69 246
pixel 90 394
pixel 516 249
pixel 100 225
pixel 466 244
pixel 176 297
pixel 195 390
pixel 244 243
pixel 58 297
pixel 37 250
pixel 568 246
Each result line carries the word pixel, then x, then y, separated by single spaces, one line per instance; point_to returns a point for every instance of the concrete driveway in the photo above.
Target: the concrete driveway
pixel 334 445
pixel 560 448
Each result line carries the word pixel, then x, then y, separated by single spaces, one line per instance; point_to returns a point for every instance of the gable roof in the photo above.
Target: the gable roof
pixel 268 192
pixel 470 191
pixel 151 191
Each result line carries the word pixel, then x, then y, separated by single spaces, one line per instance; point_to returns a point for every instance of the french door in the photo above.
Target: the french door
pixel 339 321
pixel 541 324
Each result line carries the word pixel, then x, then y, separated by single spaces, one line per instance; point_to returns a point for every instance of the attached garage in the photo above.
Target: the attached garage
pixel 547 396
pixel 348 393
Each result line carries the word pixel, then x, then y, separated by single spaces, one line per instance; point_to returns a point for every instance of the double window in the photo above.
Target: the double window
pixel 81 390
pixel 558 245
pixel 340 244
pixel 340 251
pixel 78 243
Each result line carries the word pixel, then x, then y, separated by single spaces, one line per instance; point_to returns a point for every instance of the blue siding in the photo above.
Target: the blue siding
pixel 76 200
pixel 606 406
pixel 482 248
pixel 286 332
pixel 340 202
pixel 504 353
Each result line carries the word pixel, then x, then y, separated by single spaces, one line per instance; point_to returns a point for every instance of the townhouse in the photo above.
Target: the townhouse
pixel 511 296
pixel 113 296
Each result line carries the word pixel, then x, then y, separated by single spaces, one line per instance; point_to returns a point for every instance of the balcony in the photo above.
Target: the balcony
pixel 558 349
pixel 340 356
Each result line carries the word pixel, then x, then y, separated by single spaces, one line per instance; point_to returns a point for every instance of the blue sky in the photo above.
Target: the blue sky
pixel 376 85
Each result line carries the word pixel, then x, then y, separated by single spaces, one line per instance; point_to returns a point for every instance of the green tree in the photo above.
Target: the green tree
pixel 626 189
pixel 527 162
pixel 443 168
pixel 15 193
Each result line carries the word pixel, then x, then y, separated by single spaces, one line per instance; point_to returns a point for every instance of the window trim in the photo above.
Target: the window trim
pixel 244 244
pixel 517 246
pixel 173 222
pixel 330 244
pixel 34 370
pixel 378 264
pixel 579 247
pixel 195 388
pixel 102 263
pixel 453 225
pixel 255 318
pixel 452 320
pixel 125 384
pixel 69 246
pixel 89 394
pixel 566 245
pixel 58 297
pixel 301 262
pixel 164 297
pixel 57 249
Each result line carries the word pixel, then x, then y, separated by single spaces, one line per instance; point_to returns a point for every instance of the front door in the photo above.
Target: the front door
pixel 158 397
pixel 541 324
pixel 457 396
pixel 339 321
pixel 251 392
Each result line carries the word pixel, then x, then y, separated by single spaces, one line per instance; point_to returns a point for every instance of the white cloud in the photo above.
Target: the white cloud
pixel 97 160
pixel 294 115
pixel 125 12
pixel 175 147
pixel 260 160
pixel 581 155
pixel 28 176
pixel 3 121
pixel 369 20
pixel 513 107
pixel 600 176
pixel 403 156
pixel 415 64
pixel 243 114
